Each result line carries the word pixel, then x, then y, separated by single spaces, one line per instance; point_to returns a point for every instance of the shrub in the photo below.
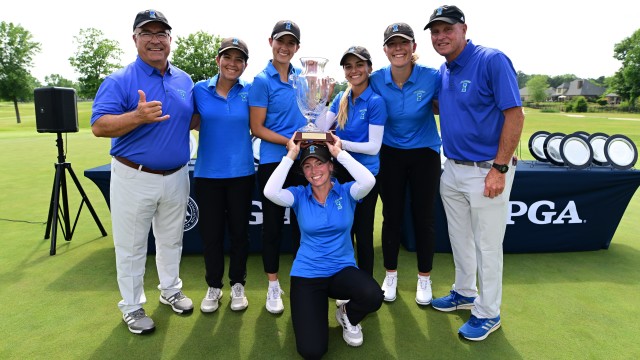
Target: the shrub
pixel 568 107
pixel 580 104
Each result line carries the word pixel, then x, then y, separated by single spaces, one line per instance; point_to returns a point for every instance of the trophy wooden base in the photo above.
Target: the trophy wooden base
pixel 313 136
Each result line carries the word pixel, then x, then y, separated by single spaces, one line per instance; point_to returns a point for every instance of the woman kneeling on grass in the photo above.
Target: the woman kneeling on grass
pixel 324 266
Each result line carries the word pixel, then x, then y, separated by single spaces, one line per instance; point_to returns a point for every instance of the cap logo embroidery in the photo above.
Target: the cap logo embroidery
pixel 287 25
pixel 439 11
pixel 352 49
pixel 312 149
pixel 395 27
pixel 235 41
pixel 152 14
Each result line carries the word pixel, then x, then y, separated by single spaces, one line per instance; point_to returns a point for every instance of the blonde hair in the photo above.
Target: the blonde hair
pixel 343 108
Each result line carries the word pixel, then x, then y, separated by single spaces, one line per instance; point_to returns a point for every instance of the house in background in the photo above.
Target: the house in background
pixel 560 91
pixel 613 99
pixel 525 96
pixel 584 88
pixel 569 90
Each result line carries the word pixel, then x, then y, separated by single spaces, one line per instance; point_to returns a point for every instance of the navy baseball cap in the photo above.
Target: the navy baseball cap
pixel 148 16
pixel 360 51
pixel 447 13
pixel 319 152
pixel 398 29
pixel 234 43
pixel 285 27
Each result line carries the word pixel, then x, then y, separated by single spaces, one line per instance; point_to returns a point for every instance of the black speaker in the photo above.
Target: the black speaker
pixel 56 109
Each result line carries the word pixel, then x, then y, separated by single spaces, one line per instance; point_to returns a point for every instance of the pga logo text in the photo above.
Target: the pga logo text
pixel 544 212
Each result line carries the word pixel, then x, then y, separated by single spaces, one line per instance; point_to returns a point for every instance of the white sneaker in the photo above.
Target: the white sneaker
pixel 341 302
pixel 238 300
pixel 352 334
pixel 389 287
pixel 274 300
pixel 210 302
pixel 423 292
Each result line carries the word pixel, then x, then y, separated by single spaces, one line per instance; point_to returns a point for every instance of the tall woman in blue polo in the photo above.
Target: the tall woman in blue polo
pixel 324 266
pixel 224 173
pixel 409 157
pixel 275 116
pixel 358 115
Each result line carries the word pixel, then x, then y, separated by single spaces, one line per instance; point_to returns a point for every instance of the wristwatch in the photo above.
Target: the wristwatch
pixel 503 168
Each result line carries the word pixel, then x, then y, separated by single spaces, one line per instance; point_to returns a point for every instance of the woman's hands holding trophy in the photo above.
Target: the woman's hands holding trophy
pixel 295 144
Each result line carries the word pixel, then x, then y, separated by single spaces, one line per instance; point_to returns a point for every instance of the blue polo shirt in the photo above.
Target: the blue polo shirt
pixel 476 88
pixel 369 109
pixel 325 242
pixel 163 145
pixel 224 149
pixel 283 115
pixel 410 123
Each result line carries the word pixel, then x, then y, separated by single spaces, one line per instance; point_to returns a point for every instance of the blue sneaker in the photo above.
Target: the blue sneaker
pixel 478 329
pixel 453 301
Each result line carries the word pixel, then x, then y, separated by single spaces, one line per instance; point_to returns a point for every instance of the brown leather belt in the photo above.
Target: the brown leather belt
pixel 480 164
pixel 133 165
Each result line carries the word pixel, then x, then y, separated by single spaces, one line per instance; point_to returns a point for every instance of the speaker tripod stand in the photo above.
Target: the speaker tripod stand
pixel 58 214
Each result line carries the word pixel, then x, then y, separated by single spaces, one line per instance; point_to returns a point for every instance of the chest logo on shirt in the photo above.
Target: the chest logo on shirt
pixel 182 93
pixel 363 112
pixel 464 84
pixel 419 94
pixel 243 96
pixel 339 203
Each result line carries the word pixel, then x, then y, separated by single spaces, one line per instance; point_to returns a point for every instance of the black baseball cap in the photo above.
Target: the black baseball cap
pixel 359 51
pixel 148 16
pixel 234 43
pixel 285 27
pixel 447 13
pixel 398 29
pixel 319 152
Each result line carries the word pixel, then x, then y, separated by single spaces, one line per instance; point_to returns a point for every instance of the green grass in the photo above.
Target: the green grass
pixel 555 306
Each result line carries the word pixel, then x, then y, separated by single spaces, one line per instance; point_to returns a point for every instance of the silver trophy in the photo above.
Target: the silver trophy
pixel 312 91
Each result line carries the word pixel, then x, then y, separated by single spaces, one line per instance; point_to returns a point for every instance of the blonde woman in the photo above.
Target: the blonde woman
pixel 409 156
pixel 358 116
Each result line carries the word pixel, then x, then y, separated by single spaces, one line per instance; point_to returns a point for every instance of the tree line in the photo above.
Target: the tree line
pixel 96 57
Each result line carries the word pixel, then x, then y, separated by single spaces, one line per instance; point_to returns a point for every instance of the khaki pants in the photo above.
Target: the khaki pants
pixel 138 200
pixel 476 226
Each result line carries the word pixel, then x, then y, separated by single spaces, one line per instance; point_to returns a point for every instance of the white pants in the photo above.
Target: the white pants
pixel 476 227
pixel 138 200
